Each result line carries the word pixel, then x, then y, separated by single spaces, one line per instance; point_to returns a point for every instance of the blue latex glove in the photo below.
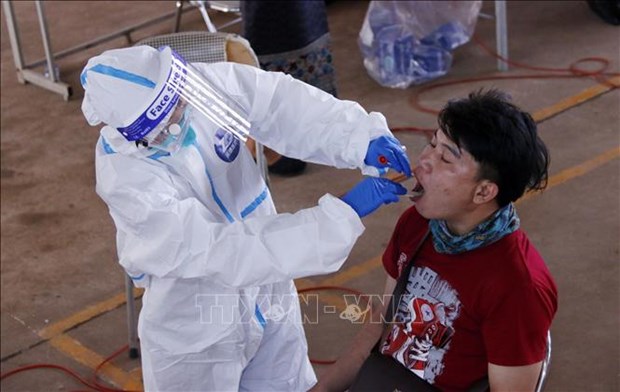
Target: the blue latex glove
pixel 386 151
pixel 371 193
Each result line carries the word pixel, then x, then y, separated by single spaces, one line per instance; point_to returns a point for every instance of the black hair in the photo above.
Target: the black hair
pixel 502 138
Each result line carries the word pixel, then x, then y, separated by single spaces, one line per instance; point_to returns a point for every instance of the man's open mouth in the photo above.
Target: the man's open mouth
pixel 417 191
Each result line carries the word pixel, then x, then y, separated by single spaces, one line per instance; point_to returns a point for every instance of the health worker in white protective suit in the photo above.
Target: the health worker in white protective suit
pixel 196 224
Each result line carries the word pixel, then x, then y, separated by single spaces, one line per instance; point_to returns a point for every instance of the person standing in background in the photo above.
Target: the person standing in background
pixel 290 37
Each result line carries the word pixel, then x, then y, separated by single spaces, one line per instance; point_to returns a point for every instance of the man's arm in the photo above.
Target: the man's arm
pixel 513 378
pixel 341 374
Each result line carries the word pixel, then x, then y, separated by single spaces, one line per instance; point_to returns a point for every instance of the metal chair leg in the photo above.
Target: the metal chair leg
pixel 132 325
pixel 177 16
pixel 205 15
pixel 544 370
pixel 261 162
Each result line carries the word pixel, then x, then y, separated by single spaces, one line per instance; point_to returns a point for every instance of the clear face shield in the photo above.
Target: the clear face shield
pixel 184 95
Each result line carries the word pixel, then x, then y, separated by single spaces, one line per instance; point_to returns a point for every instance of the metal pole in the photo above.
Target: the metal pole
pixel 205 15
pixel 177 17
pixel 501 34
pixel 227 24
pixel 132 327
pixel 261 162
pixel 105 38
pixel 9 14
pixel 51 69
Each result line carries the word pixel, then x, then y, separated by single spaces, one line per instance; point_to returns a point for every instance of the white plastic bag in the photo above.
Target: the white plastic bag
pixel 410 42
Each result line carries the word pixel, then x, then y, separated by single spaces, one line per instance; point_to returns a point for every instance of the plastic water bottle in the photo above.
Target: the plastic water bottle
pixel 447 36
pixel 394 54
pixel 429 62
pixel 403 53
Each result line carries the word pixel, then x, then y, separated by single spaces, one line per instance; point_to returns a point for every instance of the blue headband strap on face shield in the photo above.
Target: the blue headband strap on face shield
pixel 119 74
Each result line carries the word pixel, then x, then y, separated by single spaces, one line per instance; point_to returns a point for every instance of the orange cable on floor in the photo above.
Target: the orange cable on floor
pixel 573 71
pixel 94 385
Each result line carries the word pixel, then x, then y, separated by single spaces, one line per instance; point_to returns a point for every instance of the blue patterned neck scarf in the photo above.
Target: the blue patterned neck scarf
pixel 503 222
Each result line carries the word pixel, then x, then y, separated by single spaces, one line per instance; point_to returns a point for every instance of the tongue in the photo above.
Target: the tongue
pixel 417 190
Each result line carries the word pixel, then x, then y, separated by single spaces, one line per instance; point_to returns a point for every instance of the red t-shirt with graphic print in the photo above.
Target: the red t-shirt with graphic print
pixel 459 312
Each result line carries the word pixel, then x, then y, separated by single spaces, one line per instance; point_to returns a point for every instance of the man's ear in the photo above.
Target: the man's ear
pixel 485 192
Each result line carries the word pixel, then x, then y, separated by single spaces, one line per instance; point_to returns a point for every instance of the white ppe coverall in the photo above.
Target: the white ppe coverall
pixel 199 231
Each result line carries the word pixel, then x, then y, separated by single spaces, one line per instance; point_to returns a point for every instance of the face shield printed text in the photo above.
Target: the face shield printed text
pixel 158 110
pixel 168 96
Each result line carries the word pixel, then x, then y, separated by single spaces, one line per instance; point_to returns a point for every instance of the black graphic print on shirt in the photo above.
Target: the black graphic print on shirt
pixel 423 325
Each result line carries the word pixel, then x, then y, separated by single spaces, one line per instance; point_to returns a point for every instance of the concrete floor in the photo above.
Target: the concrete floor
pixel 62 290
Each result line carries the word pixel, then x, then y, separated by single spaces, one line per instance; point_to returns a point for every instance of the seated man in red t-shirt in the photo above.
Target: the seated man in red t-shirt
pixel 479 299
